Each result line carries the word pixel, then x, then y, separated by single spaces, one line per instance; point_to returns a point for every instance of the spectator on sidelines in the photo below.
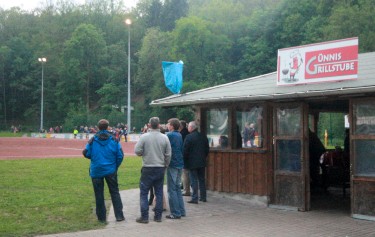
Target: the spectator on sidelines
pixel 185 173
pixel 196 150
pixel 155 149
pixel 174 171
pixel 106 156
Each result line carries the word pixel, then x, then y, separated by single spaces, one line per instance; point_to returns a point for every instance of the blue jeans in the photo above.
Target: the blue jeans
pixel 176 202
pixel 151 177
pixel 98 184
pixel 197 177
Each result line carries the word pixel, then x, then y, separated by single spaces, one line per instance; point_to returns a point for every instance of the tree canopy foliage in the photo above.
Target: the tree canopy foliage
pixel 218 40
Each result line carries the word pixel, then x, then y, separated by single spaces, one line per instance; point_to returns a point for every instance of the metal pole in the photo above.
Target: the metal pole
pixel 129 109
pixel 41 103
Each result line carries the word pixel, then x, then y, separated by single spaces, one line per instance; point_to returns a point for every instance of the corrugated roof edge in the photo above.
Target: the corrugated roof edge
pixel 159 101
pixel 174 100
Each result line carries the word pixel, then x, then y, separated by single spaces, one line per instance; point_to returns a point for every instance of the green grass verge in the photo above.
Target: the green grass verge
pixel 11 134
pixel 43 196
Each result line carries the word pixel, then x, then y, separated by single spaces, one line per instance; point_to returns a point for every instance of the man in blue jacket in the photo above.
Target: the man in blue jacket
pixel 106 156
pixel 174 171
pixel 195 152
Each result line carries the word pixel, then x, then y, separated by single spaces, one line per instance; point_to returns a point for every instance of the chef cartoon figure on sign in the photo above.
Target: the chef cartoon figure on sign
pixel 294 64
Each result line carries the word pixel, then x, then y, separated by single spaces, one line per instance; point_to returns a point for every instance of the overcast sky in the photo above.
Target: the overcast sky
pixel 31 4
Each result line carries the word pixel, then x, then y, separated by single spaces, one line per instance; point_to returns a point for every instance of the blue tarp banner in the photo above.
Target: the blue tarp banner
pixel 172 72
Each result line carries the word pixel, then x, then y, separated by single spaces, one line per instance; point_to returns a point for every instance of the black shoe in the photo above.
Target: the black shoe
pixel 193 202
pixel 202 200
pixel 157 219
pixel 153 209
pixel 141 220
pixel 173 217
pixel 120 219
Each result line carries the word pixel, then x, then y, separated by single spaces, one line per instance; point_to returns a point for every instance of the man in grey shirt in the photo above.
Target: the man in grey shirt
pixel 155 149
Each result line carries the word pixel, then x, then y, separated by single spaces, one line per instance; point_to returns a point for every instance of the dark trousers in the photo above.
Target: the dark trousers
pixel 98 184
pixel 151 199
pixel 197 178
pixel 151 177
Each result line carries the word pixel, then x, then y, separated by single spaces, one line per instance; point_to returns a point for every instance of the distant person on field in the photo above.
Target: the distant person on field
pixel 125 133
pixel 75 133
pixel 106 156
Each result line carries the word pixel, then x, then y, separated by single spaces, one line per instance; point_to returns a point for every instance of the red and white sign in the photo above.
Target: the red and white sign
pixel 324 62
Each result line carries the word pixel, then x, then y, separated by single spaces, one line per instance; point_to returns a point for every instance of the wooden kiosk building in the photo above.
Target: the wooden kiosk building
pixel 274 164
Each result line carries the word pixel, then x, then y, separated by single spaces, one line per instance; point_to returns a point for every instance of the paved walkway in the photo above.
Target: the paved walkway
pixel 223 216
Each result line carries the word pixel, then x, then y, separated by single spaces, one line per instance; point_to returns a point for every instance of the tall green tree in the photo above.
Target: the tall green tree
pixel 113 91
pixel 4 64
pixel 353 19
pixel 21 83
pixel 84 55
pixel 204 52
pixel 153 16
pixel 171 12
pixel 219 41
pixel 149 82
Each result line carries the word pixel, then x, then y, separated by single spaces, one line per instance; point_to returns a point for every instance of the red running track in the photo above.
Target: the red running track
pixel 26 148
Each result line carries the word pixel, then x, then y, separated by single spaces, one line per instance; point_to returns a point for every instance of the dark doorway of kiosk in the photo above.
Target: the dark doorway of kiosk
pixel 329 161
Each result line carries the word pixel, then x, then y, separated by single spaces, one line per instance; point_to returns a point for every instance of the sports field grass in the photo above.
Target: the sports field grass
pixel 10 134
pixel 43 196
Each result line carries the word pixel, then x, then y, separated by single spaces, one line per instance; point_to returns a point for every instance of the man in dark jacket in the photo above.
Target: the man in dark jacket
pixel 185 173
pixel 106 156
pixel 196 149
